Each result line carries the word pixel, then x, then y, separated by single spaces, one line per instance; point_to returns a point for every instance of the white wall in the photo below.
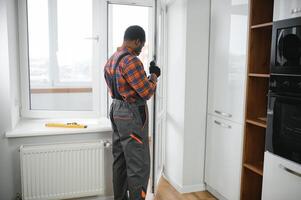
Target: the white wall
pixel 197 45
pixel 6 172
pixel 13 49
pixel 188 42
pixel 10 177
pixel 176 35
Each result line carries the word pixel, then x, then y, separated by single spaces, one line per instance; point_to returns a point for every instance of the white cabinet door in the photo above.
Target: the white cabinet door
pixel 224 157
pixel 227 62
pixel 285 9
pixel 281 178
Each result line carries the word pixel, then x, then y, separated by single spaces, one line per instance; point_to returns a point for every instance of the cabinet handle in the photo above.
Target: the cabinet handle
pixel 222 124
pixel 290 171
pixel 295 10
pixel 223 113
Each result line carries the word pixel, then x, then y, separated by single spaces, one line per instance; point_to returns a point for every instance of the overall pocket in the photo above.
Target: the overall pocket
pixel 143 112
pixel 123 113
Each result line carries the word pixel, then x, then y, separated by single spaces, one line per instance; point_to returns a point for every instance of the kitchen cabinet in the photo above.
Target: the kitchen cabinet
pixel 227 61
pixel 223 156
pixel 285 9
pixel 226 96
pixel 281 179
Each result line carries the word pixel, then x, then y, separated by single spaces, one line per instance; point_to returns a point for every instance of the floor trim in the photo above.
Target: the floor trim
pixel 215 193
pixel 186 188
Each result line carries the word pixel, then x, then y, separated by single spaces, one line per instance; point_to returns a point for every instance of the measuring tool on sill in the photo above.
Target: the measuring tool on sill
pixel 66 125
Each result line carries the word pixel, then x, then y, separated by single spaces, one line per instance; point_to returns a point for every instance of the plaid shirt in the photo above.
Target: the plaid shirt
pixel 131 79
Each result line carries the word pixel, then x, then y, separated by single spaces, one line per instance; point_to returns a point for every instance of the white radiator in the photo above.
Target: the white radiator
pixel 60 171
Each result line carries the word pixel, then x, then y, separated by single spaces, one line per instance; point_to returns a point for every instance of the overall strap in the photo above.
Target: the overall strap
pixel 116 94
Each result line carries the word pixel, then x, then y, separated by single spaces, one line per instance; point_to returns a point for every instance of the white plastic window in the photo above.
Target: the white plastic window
pixel 61 57
pixel 60 54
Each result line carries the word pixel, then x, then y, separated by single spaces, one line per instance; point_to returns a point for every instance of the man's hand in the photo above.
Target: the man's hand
pixel 153 69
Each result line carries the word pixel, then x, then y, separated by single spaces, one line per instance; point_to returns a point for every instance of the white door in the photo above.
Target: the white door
pixel 227 63
pixel 121 14
pixel 281 178
pixel 224 156
pixel 159 108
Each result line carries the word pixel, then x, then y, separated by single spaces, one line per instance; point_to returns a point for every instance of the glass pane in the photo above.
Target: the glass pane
pixel 287 128
pixel 123 16
pixel 38 36
pixel 61 40
pixel 75 40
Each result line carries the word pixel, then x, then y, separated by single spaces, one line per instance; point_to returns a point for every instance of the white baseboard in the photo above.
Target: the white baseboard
pixel 193 188
pixel 185 188
pixel 215 193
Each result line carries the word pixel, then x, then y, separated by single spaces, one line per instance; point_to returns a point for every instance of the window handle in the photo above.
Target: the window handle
pixel 290 170
pixel 222 124
pixel 223 113
pixel 92 38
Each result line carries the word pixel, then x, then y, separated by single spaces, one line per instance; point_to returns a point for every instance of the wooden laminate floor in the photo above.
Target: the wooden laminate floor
pixel 167 192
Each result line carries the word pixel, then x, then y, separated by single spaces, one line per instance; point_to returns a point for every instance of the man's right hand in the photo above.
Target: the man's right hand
pixel 153 69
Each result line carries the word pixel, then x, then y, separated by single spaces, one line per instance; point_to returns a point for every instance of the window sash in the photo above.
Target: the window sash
pixel 100 55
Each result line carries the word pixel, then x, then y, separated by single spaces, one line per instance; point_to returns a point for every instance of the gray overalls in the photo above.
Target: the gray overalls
pixel 131 167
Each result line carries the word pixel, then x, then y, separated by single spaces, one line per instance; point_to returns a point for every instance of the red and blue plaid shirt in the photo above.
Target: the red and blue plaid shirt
pixel 132 82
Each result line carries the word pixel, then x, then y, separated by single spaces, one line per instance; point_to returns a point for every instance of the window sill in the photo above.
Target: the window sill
pixel 31 128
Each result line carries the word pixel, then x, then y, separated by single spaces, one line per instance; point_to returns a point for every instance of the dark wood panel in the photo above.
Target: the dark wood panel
pixel 252 185
pixel 255 167
pixel 259 50
pixel 257 99
pixel 257 122
pixel 254 144
pixel 261 11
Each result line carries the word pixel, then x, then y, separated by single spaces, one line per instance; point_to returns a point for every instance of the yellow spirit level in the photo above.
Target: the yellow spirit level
pixel 66 125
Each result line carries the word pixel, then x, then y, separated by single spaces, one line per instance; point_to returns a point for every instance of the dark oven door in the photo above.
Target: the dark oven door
pixel 286 47
pixel 284 127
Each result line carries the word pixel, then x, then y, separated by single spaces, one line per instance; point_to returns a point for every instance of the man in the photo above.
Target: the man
pixel 130 88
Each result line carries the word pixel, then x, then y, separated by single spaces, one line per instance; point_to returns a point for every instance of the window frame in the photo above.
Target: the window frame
pixel 99 108
pixel 146 3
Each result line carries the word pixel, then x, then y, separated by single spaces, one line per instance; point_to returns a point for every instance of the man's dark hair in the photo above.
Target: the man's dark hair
pixel 134 33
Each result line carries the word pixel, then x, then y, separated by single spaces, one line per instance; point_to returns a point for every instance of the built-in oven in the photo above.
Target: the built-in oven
pixel 283 136
pixel 286 47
